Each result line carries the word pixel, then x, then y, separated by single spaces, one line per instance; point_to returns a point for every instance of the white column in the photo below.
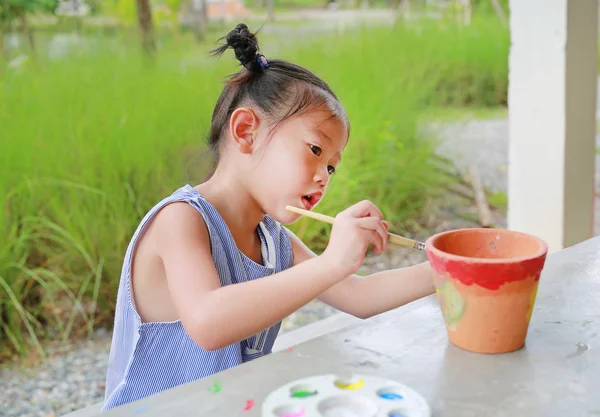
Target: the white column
pixel 552 125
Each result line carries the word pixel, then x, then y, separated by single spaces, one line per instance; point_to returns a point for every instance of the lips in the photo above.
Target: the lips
pixel 311 200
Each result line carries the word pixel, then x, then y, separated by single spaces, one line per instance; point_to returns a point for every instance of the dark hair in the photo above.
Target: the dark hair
pixel 279 88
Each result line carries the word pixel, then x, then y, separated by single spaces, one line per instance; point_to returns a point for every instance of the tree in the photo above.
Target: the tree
pixel 144 16
pixel 271 10
pixel 19 9
pixel 73 9
pixel 197 10
pixel 134 12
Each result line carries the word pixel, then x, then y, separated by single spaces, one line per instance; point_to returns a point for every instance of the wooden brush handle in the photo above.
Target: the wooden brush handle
pixel 397 239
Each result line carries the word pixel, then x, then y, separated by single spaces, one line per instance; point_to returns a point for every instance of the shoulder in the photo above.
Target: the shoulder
pixel 179 224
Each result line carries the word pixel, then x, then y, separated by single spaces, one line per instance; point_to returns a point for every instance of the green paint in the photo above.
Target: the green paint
pixel 302 394
pixel 215 388
pixel 453 306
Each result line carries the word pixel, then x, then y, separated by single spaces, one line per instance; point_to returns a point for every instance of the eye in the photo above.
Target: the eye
pixel 331 170
pixel 316 150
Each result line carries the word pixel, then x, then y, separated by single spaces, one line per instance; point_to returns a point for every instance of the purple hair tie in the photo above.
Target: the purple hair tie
pixel 262 61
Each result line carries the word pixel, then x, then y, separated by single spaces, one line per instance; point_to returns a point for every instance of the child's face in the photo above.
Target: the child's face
pixel 295 166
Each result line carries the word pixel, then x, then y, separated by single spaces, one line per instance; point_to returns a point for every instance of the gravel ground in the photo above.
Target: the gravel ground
pixel 484 143
pixel 74 376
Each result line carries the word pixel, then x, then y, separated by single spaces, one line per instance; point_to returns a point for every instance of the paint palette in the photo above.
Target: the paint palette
pixel 338 396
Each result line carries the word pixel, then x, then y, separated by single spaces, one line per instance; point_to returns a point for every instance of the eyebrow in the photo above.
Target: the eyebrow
pixel 319 132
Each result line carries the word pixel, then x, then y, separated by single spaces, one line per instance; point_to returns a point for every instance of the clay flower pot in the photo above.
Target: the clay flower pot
pixel 486 282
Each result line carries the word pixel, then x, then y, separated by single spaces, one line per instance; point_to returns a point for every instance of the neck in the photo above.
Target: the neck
pixel 234 203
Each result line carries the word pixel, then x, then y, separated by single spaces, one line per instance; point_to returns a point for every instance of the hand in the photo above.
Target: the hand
pixel 354 230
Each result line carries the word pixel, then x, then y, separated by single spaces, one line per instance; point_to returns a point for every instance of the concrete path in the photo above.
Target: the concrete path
pixel 484 143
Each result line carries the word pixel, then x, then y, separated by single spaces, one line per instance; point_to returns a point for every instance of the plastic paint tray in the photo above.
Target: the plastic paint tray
pixel 337 396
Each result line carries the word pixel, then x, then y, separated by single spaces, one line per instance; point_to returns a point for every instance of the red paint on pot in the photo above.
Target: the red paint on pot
pixel 487 257
pixel 490 276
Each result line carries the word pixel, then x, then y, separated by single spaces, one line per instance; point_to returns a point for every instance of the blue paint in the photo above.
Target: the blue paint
pixel 390 396
pixel 397 415
pixel 141 410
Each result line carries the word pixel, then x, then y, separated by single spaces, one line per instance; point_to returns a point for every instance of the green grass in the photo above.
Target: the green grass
pixel 89 144
pixel 465 66
pixel 499 199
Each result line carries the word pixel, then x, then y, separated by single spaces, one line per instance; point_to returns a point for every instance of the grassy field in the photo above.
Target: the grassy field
pixel 88 144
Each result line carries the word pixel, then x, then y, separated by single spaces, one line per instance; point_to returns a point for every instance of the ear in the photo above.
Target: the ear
pixel 243 125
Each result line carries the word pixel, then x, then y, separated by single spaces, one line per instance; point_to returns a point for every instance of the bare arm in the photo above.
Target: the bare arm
pixel 216 316
pixel 365 297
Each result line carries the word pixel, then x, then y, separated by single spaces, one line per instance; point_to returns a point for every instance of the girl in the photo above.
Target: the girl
pixel 210 272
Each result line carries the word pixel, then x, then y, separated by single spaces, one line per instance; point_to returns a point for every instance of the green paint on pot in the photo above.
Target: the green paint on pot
pixel 453 306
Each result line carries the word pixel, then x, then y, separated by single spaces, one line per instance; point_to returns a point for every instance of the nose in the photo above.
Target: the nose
pixel 322 176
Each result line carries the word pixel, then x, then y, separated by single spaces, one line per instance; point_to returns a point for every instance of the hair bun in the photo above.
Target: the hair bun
pixel 243 43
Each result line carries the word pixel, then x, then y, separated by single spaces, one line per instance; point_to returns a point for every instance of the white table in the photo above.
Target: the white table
pixel 557 373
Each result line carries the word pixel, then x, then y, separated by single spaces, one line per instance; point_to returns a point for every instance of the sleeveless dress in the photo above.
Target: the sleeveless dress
pixel 146 358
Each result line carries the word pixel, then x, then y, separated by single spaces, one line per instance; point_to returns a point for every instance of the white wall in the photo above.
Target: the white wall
pixel 552 105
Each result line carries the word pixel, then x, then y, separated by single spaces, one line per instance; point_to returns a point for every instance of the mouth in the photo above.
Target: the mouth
pixel 311 200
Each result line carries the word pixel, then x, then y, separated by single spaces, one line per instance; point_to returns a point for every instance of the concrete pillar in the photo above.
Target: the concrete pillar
pixel 552 125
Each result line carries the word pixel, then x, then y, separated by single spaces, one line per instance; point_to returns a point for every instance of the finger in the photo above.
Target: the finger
pixel 381 230
pixel 386 237
pixel 381 237
pixel 375 225
pixel 370 237
pixel 364 209
pixel 368 223
pixel 368 240
pixel 378 242
pixel 377 233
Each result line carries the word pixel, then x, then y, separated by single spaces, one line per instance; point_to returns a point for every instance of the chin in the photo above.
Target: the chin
pixel 283 216
pixel 291 219
pixel 288 218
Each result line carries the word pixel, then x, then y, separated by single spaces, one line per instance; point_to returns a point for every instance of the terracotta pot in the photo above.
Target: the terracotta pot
pixel 486 281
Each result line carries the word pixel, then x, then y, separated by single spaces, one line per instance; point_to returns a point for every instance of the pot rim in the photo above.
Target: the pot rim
pixel 430 246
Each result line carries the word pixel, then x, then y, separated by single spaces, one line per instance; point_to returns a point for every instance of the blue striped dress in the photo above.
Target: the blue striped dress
pixel 146 358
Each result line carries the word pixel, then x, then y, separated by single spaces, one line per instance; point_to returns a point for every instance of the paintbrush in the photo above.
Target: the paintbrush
pixel 397 239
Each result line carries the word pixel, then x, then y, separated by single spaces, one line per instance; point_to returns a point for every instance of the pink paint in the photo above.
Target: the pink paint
pixel 297 414
pixel 249 405
pixel 288 350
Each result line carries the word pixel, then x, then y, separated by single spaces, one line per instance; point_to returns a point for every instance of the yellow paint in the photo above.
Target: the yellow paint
pixel 531 303
pixel 355 385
